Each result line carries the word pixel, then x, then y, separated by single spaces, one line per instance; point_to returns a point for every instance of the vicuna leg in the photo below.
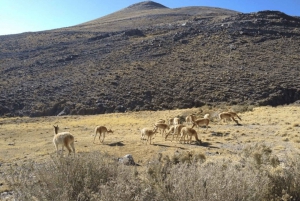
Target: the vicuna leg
pixel 234 120
pixel 100 136
pixel 182 136
pixel 62 150
pixel 103 136
pixel 95 136
pixel 66 144
pixel 56 148
pixel 73 147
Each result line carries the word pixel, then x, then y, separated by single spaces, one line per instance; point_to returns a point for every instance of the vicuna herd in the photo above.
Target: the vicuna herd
pixel 173 127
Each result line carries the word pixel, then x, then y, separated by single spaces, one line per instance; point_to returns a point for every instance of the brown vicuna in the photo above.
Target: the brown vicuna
pixel 163 127
pixel 101 130
pixel 65 139
pixel 161 121
pixel 189 133
pixel 199 122
pixel 171 121
pixel 233 114
pixel 149 133
pixel 224 116
pixel 170 131
pixel 189 119
pixel 175 130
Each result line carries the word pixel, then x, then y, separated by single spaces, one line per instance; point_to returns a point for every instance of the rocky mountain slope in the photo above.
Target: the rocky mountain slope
pixel 150 57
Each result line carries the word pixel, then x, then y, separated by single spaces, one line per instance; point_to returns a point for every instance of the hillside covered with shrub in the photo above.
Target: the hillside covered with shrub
pixel 150 57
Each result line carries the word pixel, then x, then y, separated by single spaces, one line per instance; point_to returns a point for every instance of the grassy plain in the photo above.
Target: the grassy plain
pixel 26 139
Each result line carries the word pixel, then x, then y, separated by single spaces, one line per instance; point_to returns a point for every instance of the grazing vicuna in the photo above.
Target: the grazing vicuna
pixel 189 133
pixel 170 131
pixel 224 116
pixel 149 133
pixel 175 130
pixel 101 130
pixel 65 139
pixel 233 114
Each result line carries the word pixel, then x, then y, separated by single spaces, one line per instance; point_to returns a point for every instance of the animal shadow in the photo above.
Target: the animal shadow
pixel 120 143
pixel 219 134
pixel 163 145
pixel 207 144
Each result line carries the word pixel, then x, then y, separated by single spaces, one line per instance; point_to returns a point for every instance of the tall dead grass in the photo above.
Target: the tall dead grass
pixel 257 174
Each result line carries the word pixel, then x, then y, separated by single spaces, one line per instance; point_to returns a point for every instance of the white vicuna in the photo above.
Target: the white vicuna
pixel 65 139
pixel 101 130
pixel 149 133
pixel 176 121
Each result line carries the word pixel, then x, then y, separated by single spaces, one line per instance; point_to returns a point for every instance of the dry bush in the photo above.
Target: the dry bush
pixel 256 175
pixel 92 176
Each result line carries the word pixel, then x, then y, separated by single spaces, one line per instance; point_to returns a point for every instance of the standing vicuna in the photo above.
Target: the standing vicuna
pixel 65 139
pixel 176 121
pixel 199 122
pixel 189 118
pixel 149 133
pixel 163 127
pixel 101 130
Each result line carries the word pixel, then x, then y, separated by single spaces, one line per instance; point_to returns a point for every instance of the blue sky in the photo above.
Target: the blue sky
pixel 17 16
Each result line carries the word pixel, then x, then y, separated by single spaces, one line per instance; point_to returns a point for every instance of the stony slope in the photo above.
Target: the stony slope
pixel 149 57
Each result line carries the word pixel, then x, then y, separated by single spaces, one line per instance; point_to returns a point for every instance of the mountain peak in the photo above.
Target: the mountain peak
pixel 146 5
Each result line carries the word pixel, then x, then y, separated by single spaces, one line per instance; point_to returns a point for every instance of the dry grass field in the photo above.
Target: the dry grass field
pixel 26 139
